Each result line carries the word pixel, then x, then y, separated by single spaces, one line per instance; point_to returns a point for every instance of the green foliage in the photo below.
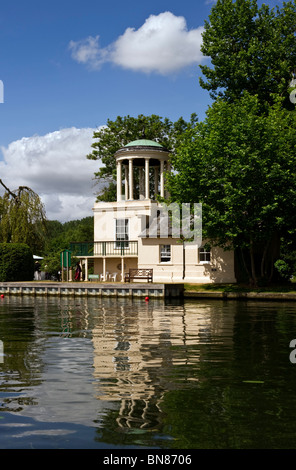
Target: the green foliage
pixel 283 269
pixel 123 130
pixel 22 218
pixel 59 237
pixel 16 262
pixel 251 49
pixel 286 265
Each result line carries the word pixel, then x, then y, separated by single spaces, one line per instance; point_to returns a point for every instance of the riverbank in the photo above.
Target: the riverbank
pixel 99 289
pixel 150 290
pixel 240 292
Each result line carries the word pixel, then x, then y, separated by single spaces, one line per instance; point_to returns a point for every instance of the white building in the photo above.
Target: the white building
pixel 126 233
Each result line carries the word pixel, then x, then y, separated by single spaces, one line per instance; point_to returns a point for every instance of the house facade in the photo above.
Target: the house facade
pixel 135 231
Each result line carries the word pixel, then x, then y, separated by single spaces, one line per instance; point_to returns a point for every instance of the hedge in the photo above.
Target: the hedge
pixel 16 262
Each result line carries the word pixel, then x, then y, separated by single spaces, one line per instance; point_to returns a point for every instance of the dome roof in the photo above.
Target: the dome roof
pixel 143 143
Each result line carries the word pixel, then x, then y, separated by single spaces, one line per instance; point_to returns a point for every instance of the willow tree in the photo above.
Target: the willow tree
pixel 22 217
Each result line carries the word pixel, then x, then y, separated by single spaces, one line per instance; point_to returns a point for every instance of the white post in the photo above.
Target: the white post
pixel 141 184
pixel 147 178
pixel 168 168
pixel 119 183
pixel 131 182
pixel 162 178
pixel 156 180
pixel 126 181
pixel 86 269
pixel 104 269
pixel 122 269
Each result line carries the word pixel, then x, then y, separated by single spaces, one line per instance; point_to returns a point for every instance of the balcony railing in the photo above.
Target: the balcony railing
pixel 111 248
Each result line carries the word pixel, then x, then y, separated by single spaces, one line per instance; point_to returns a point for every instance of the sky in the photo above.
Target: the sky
pixel 69 66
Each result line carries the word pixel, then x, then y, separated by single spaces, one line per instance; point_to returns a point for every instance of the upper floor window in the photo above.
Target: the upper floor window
pixel 122 232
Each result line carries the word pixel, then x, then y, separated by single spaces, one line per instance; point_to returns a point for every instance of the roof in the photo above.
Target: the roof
pixel 144 143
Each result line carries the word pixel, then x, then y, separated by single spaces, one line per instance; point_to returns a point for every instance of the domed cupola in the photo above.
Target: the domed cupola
pixel 148 160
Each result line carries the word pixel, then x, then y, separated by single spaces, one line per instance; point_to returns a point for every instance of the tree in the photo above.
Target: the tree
pixel 251 49
pixel 240 165
pixel 59 237
pixel 16 262
pixel 123 130
pixel 22 217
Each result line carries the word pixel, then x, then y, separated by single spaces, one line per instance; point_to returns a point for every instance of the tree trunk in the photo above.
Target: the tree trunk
pixel 253 267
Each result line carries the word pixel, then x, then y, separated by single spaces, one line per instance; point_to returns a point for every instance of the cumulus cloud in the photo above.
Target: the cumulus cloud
pixel 163 44
pixel 56 168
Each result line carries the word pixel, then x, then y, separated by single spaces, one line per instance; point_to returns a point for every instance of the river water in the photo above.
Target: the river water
pixel 120 374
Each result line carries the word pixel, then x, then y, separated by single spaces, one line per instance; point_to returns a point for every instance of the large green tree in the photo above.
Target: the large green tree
pixel 240 165
pixel 251 49
pixel 123 130
pixel 22 218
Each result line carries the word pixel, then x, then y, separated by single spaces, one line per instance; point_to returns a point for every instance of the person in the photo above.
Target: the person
pixel 37 271
pixel 77 272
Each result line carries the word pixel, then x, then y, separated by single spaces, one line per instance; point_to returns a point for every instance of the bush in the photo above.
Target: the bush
pixel 16 262
pixel 284 269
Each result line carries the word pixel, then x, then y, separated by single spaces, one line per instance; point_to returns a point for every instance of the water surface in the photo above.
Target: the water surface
pixel 105 373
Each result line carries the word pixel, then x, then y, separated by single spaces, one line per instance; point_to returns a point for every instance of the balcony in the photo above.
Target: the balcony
pixel 105 249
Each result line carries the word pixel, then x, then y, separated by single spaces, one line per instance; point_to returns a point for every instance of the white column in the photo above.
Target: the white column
pixel 141 183
pixel 126 181
pixel 122 269
pixel 156 180
pixel 162 178
pixel 168 169
pixel 86 269
pixel 147 192
pixel 131 182
pixel 119 183
pixel 104 269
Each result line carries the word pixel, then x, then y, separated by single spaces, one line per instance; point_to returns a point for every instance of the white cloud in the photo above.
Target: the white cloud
pixel 163 44
pixel 88 52
pixel 55 167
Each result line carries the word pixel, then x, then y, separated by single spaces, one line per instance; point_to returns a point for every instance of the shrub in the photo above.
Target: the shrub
pixel 16 262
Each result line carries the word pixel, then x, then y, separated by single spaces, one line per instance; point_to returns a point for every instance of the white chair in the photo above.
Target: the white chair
pixel 113 277
pixel 104 278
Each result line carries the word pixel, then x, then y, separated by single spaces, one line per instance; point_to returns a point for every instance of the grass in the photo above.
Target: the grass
pixel 291 287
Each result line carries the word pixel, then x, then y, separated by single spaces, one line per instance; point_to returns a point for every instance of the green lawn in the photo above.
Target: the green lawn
pixel 240 288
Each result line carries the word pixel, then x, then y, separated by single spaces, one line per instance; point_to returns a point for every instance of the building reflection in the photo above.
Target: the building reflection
pixel 144 349
pixel 100 361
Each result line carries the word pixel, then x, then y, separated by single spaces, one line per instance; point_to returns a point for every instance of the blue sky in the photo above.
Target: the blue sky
pixel 68 66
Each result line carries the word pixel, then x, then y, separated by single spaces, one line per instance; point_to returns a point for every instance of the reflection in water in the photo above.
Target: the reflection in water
pixel 142 350
pixel 130 372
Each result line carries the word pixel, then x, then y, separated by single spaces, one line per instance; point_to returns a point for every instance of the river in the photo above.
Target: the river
pixel 93 373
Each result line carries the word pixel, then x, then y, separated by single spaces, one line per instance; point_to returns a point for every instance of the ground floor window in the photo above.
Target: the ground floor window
pixel 165 253
pixel 121 232
pixel 204 255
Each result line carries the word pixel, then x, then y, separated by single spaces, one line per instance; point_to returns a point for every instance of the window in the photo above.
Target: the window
pixel 204 255
pixel 121 233
pixel 165 253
